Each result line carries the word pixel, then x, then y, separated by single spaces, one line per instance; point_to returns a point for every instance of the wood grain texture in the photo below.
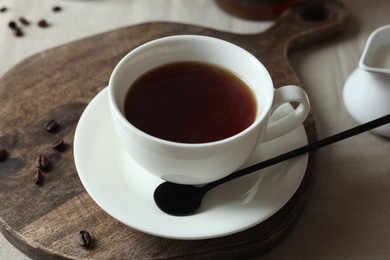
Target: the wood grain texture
pixel 58 84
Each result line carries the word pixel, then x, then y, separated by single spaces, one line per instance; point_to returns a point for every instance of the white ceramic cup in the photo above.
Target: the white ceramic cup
pixel 202 162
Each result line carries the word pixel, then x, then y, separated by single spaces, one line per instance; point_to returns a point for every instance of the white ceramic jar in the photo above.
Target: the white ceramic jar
pixel 367 90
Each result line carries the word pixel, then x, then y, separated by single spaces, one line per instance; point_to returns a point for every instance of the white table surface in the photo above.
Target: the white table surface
pixel 348 213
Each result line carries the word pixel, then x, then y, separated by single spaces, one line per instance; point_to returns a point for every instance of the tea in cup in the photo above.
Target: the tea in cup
pixel 191 109
pixel 190 102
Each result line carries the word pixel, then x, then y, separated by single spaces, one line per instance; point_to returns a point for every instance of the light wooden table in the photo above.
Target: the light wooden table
pixel 347 216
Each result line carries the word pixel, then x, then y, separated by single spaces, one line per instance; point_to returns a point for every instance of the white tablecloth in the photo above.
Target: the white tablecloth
pixel 348 213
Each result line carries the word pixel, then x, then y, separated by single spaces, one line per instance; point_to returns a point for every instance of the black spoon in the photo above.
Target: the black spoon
pixel 184 200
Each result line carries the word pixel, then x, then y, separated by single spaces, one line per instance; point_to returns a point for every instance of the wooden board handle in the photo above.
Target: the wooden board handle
pixel 305 24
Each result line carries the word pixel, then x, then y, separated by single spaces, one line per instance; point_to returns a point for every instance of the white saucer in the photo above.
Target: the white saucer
pixel 125 190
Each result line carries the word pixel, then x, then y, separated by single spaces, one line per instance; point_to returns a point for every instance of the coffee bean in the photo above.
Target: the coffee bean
pixel 38 177
pixel 12 25
pixel 84 238
pixel 51 126
pixel 43 23
pixel 41 162
pixel 24 21
pixel 57 144
pixel 18 32
pixel 57 9
pixel 3 155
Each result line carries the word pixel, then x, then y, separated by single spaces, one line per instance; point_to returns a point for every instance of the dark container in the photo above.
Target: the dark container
pixel 256 9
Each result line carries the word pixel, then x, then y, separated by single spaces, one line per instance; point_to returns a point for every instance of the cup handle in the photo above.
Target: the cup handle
pixel 291 121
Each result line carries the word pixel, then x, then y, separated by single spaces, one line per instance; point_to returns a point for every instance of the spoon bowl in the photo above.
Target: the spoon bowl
pixel 180 200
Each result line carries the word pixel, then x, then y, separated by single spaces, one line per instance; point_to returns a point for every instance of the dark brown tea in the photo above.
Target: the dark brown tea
pixel 190 102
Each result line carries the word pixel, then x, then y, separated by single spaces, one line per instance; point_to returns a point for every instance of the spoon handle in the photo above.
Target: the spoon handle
pixel 304 149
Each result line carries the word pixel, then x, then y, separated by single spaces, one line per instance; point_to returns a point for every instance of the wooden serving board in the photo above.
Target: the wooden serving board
pixel 43 221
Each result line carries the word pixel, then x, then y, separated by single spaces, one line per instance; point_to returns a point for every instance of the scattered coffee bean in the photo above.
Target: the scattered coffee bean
pixel 3 155
pixel 18 32
pixel 38 177
pixel 3 9
pixel 24 21
pixel 43 23
pixel 84 238
pixel 51 126
pixel 12 25
pixel 57 144
pixel 57 9
pixel 41 162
